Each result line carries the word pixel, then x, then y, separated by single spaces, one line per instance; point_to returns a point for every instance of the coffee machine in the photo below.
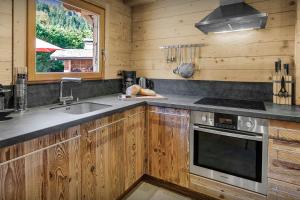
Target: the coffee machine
pixel 128 79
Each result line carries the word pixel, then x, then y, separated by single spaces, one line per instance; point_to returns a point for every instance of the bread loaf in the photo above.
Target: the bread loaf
pixel 133 90
pixel 147 92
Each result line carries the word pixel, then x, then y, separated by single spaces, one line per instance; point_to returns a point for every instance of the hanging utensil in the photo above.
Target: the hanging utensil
pixel 172 55
pixel 185 70
pixel 179 61
pixel 168 58
pixel 165 54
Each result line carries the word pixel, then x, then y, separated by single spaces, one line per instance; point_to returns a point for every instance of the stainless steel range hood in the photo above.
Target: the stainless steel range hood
pixel 232 15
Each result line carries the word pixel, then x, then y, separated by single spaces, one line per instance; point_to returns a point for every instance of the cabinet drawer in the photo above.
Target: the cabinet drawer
pixel 220 190
pixel 284 161
pixel 286 131
pixel 169 111
pixel 278 190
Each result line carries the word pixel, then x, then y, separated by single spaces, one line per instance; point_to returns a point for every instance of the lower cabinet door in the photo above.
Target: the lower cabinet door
pixel 284 161
pixel 278 190
pixel 102 155
pixel 168 145
pixel 51 172
pixel 112 154
pixel 135 148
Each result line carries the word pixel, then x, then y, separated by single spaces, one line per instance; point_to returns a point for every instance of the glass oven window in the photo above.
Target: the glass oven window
pixel 234 156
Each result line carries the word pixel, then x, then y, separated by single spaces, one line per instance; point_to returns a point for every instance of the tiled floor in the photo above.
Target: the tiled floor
pixel 146 191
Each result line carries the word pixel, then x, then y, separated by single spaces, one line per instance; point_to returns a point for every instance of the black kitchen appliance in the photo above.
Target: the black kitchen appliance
pixel 4 111
pixel 146 83
pixel 234 103
pixel 128 79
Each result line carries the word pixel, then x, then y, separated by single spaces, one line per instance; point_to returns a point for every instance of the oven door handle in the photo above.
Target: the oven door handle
pixel 216 132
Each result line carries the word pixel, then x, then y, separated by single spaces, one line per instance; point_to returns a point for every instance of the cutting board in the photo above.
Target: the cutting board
pixel 134 98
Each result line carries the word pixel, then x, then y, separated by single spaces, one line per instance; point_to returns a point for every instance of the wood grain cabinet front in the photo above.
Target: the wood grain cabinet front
pixel 135 145
pixel 284 160
pixel 112 154
pixel 44 168
pixel 280 190
pixel 168 131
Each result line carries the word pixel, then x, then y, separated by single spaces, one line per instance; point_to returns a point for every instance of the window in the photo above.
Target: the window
pixel 65 38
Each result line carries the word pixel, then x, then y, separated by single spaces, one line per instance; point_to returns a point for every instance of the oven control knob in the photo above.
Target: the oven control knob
pixel 249 124
pixel 204 118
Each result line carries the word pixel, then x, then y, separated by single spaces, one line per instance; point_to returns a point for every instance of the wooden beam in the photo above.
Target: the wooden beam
pixel 137 2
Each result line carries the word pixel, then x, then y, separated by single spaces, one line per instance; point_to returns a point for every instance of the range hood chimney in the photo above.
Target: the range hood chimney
pixel 232 15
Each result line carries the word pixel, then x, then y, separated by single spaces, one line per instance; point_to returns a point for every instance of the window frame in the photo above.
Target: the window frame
pixel 33 76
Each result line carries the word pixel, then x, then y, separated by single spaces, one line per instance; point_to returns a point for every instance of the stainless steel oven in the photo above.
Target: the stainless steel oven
pixel 230 149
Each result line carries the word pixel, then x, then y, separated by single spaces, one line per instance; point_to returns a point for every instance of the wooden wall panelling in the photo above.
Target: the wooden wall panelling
pixel 117 36
pixel 297 54
pixel 168 145
pixel 47 168
pixel 6 36
pixel 137 2
pixel 19 34
pixel 220 190
pixel 240 56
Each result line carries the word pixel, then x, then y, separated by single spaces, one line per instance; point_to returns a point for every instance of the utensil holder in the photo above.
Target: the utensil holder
pixel 278 99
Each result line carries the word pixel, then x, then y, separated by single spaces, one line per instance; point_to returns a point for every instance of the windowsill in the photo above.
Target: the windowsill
pixel 56 77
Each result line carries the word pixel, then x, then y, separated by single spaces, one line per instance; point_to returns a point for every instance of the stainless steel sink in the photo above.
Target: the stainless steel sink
pixel 81 108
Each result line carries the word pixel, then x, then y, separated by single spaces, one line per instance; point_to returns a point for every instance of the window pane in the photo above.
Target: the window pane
pixel 66 38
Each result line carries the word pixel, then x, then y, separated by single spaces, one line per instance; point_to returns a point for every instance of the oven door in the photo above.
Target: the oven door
pixel 229 156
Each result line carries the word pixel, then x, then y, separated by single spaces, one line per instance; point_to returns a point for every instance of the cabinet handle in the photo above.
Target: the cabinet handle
pixel 283 141
pixel 130 116
pixel 286 165
pixel 42 149
pixel 101 127
pixel 171 114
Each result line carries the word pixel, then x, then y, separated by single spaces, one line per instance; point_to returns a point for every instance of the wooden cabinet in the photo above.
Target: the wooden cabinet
pixel 220 190
pixel 168 132
pixel 102 150
pixel 135 145
pixel 44 168
pixel 112 154
pixel 284 160
pixel 280 190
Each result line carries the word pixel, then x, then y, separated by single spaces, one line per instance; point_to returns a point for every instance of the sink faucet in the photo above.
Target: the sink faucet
pixel 66 99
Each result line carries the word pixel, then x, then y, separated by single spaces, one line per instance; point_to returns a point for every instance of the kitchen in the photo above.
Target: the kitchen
pixel 149 99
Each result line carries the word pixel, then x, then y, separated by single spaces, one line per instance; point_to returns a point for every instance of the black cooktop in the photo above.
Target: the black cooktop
pixel 235 103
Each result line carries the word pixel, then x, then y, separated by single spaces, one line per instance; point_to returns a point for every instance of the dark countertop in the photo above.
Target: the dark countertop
pixel 40 120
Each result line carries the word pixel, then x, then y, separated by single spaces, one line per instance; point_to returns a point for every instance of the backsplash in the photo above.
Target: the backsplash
pixel 221 89
pixel 44 94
